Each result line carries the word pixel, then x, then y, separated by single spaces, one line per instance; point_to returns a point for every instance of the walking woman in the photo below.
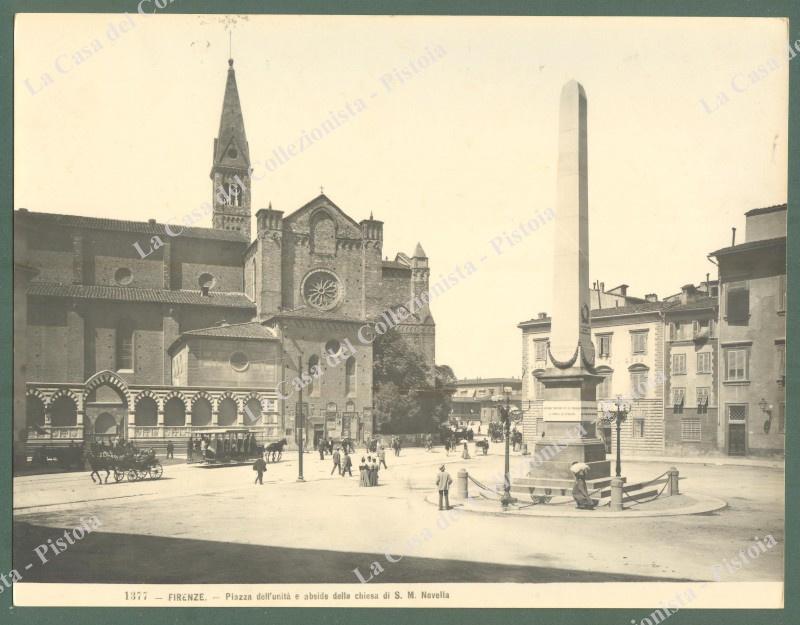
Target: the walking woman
pixel 362 469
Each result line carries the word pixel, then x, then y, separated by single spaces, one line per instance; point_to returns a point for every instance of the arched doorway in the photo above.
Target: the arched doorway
pixel 105 425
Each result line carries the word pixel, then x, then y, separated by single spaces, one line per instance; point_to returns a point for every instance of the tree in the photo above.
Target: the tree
pixel 406 400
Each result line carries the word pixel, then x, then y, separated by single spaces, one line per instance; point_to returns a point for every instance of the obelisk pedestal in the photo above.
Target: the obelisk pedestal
pixel 570 405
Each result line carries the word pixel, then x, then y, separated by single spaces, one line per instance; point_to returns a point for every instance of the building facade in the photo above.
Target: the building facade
pixel 146 330
pixel 629 354
pixel 752 337
pixel 477 399
pixel 704 369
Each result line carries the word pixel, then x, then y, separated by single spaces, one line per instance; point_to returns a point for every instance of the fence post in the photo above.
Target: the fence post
pixel 616 494
pixel 673 481
pixel 462 488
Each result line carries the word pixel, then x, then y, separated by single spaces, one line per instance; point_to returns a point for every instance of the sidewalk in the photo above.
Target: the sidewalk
pixel 770 463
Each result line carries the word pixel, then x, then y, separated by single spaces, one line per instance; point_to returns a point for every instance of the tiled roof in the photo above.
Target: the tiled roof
pixel 119 225
pixel 750 245
pixel 311 313
pixel 129 294
pixel 696 304
pixel 249 330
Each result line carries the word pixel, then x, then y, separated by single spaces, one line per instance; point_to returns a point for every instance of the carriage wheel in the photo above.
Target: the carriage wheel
pixel 156 471
pixel 132 475
pixel 118 475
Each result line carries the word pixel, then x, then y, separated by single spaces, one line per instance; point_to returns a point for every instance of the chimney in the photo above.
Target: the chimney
pixel 733 237
pixel 151 221
pixel 651 297
pixel 687 291
pixel 542 315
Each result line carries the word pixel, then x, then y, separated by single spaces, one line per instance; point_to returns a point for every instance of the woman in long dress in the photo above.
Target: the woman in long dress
pixel 579 491
pixel 362 469
pixel 465 453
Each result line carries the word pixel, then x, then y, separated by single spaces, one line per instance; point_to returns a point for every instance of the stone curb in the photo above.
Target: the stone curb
pixel 703 505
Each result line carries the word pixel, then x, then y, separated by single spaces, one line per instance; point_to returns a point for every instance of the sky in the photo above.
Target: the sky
pixel 687 130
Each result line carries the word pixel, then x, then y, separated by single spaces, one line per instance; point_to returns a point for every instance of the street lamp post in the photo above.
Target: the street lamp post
pixel 505 417
pixel 301 421
pixel 616 412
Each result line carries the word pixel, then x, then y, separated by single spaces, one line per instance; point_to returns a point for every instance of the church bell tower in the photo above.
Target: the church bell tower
pixel 230 172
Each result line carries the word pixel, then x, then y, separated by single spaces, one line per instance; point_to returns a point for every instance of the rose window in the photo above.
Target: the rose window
pixel 322 290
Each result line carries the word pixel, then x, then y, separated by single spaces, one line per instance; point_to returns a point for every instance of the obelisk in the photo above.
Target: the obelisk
pixel 569 408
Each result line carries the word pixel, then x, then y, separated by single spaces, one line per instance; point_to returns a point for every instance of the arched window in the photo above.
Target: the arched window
pixel 350 376
pixel 124 348
pixel 313 388
pixel 233 194
pixel 34 412
pixel 63 412
pixel 252 412
pixel 175 412
pixel 323 236
pixel 201 412
pixel 146 412
pixel 227 412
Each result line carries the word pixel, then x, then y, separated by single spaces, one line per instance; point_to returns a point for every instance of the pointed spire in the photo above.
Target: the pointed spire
pixel 231 148
pixel 370 215
pixel 419 252
pixel 270 205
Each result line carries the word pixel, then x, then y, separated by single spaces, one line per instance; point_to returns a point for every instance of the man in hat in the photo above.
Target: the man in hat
pixel 443 481
pixel 260 466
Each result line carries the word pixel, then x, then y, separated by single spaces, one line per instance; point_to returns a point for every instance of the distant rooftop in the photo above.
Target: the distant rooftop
pixel 131 294
pixel 119 225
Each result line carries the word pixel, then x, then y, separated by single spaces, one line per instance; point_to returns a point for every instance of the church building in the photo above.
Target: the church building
pixel 147 330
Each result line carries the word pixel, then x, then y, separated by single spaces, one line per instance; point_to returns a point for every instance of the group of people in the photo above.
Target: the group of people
pixel 369 469
pixel 328 447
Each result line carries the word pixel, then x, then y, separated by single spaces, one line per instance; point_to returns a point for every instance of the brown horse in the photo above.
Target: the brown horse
pixel 100 462
pixel 274 451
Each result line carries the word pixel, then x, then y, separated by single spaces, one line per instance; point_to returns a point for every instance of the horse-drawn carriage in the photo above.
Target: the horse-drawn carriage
pixel 230 446
pixel 126 462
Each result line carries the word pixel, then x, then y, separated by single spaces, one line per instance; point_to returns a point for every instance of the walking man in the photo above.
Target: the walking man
pixel 337 466
pixel 321 446
pixel 170 450
pixel 443 481
pixel 260 466
pixel 382 456
pixel 347 463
